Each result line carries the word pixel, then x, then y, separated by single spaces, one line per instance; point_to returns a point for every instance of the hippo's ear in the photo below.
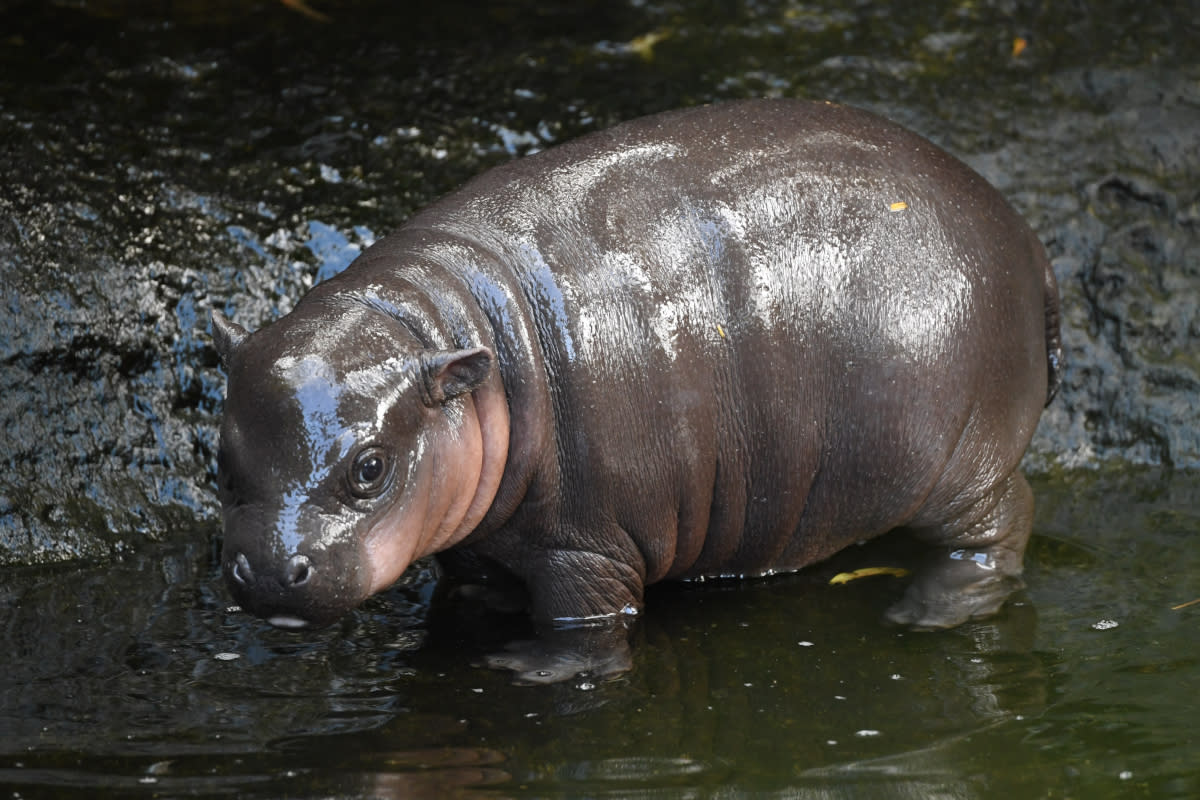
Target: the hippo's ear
pixel 227 335
pixel 446 374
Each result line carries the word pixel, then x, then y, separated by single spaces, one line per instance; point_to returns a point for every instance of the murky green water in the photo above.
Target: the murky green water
pixel 133 680
pixel 160 159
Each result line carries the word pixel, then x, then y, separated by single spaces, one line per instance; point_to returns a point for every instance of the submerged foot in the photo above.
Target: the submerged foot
pixel 599 653
pixel 964 585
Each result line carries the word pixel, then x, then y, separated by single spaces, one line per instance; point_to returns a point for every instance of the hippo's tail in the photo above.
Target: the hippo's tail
pixel 1054 349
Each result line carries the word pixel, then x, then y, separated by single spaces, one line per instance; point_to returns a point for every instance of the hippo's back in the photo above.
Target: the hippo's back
pixel 769 327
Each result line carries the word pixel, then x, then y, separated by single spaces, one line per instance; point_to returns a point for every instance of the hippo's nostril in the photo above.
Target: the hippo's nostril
pixel 241 570
pixel 299 570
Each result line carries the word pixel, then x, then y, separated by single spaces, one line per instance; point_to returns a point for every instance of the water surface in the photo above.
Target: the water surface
pixel 136 680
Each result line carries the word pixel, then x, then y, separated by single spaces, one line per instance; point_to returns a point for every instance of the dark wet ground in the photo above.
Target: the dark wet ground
pixel 160 159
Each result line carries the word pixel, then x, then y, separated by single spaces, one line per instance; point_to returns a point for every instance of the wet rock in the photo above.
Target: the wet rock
pixel 1130 292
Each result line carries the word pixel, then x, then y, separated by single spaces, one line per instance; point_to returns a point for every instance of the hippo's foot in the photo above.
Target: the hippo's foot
pixel 595 653
pixel 978 566
pixel 937 600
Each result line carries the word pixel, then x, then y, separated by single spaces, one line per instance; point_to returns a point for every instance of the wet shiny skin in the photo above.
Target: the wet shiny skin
pixel 729 341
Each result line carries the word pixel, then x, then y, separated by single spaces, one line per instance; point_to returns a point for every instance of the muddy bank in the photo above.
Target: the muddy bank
pixel 163 159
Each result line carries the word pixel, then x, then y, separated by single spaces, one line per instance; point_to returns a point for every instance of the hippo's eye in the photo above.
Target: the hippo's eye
pixel 369 472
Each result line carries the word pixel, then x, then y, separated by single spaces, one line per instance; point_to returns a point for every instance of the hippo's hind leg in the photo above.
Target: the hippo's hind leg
pixel 977 561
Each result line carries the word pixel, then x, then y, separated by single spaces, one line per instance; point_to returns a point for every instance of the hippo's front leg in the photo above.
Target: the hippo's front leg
pixel 572 587
pixel 582 603
pixel 976 565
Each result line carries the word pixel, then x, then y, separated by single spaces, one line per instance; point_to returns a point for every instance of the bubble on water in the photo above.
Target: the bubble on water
pixel 227 656
pixel 1105 624
pixel 866 733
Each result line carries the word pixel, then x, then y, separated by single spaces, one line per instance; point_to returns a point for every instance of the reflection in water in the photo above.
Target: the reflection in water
pixel 441 773
pixel 930 772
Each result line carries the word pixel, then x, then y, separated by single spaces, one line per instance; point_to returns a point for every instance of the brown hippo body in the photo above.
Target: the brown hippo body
pixel 722 341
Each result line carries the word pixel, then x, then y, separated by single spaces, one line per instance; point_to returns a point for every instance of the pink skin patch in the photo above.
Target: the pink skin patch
pixel 456 485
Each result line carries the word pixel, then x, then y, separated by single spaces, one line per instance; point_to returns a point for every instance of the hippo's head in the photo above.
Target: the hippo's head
pixel 347 451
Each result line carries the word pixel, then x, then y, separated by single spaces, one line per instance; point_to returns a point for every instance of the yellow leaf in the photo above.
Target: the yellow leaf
pixel 303 8
pixel 644 45
pixel 867 572
pixel 898 206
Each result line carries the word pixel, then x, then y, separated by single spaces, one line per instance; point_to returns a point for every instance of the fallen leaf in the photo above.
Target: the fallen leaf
pixel 303 7
pixel 867 572
pixel 644 45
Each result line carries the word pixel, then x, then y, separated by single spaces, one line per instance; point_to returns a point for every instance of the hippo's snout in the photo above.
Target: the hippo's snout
pixel 299 570
pixel 288 593
pixel 296 572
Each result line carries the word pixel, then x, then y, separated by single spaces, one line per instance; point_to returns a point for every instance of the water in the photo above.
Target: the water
pixel 136 680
